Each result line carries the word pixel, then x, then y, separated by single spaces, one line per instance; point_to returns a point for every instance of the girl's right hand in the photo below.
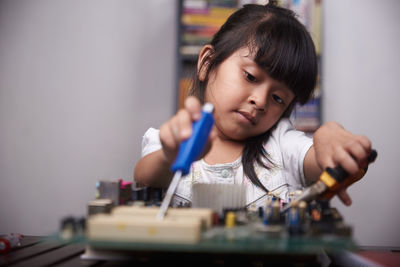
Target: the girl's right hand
pixel 179 128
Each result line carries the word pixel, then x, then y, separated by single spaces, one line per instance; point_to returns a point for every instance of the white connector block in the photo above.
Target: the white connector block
pixel 139 224
pixel 203 214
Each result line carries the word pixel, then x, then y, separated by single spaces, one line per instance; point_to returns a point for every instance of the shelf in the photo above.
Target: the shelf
pixel 200 20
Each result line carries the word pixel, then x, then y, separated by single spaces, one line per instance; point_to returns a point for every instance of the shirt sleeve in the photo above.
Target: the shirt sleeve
pixel 294 146
pixel 151 141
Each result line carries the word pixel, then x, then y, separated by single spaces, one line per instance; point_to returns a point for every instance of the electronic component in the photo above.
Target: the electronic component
pixel 135 224
pixel 305 228
pixel 103 205
pixel 205 215
pixel 72 226
pixel 9 241
pixel 230 219
pixel 218 196
pixel 119 191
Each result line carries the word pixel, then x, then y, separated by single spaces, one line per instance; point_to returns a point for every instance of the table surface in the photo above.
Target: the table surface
pixel 37 251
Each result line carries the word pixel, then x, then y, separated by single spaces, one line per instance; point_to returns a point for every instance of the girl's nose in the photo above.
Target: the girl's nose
pixel 258 99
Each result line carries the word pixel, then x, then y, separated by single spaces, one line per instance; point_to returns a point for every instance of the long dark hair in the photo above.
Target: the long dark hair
pixel 282 47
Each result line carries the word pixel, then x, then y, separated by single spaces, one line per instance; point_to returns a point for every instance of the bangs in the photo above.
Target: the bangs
pixel 286 52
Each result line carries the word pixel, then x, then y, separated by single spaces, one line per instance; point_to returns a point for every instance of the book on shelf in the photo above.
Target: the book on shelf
pixel 200 20
pixel 306 117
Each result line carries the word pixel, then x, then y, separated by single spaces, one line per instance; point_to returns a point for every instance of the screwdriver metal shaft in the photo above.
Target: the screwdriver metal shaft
pixel 168 195
pixel 308 194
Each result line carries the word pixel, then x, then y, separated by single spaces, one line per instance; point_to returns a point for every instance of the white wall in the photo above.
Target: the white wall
pixel 361 90
pixel 80 82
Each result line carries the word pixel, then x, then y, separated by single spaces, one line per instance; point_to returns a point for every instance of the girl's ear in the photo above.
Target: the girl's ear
pixel 202 63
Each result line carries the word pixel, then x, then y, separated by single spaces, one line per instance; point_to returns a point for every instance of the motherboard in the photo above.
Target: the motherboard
pixel 122 220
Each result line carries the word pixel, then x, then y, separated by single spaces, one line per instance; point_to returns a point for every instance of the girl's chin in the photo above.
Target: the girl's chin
pixel 235 135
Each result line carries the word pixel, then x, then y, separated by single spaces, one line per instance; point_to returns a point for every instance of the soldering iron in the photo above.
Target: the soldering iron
pixel 330 182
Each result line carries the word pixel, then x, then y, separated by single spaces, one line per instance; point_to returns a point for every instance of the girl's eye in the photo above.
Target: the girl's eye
pixel 250 77
pixel 278 99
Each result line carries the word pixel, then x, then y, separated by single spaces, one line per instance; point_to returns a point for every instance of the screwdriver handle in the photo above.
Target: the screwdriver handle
pixel 337 178
pixel 190 149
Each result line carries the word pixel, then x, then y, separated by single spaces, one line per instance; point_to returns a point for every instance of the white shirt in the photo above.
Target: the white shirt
pixel 286 148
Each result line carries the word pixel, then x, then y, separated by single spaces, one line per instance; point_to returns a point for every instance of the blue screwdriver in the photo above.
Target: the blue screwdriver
pixel 189 151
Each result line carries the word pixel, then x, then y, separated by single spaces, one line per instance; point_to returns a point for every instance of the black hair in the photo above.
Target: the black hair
pixel 282 47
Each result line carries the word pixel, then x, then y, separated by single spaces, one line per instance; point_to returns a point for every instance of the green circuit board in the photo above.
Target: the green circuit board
pixel 253 237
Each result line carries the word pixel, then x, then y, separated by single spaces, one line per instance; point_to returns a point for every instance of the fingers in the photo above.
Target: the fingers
pixel 353 155
pixel 344 197
pixel 168 141
pixel 185 117
pixel 193 106
pixel 334 146
pixel 179 127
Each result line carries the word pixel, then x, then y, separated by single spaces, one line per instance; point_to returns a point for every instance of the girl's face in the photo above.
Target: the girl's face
pixel 247 101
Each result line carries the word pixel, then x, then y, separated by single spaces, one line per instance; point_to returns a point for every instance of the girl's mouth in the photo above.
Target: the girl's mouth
pixel 248 117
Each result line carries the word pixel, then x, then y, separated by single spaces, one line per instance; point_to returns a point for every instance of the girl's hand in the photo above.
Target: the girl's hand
pixel 179 128
pixel 335 146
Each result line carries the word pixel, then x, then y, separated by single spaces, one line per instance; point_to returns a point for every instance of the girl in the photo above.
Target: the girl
pixel 260 63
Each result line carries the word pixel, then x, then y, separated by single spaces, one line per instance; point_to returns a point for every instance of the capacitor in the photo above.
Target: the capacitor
pixel 276 194
pixel 267 216
pixel 271 211
pixel 315 214
pixel 7 242
pixel 230 219
pixel 268 202
pixel 291 196
pixel 302 211
pixel 260 212
pixel 293 216
pixel 215 218
pixel 294 225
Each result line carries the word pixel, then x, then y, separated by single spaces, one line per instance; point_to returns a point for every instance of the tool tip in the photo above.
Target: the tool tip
pixel 160 216
pixel 208 107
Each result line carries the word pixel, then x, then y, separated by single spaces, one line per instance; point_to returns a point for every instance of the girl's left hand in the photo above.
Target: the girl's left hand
pixel 336 146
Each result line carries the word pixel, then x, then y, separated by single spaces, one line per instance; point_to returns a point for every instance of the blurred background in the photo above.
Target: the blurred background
pixel 81 81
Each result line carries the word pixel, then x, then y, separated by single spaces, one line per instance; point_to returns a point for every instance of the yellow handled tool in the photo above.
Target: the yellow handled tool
pixel 330 182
